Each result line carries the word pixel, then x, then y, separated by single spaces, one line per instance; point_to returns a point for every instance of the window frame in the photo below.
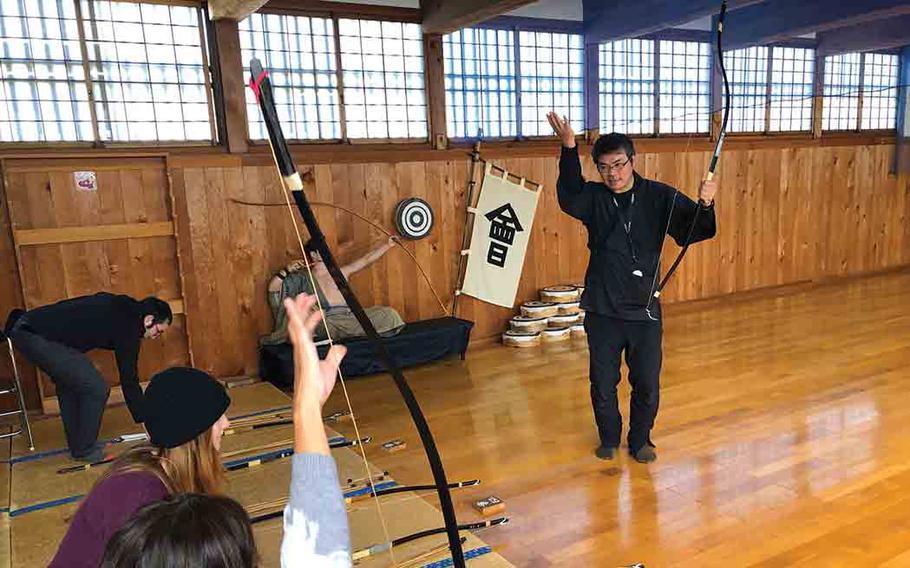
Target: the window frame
pixel 859 130
pixel 515 25
pixel 212 90
pixel 799 43
pixel 356 12
pixel 675 34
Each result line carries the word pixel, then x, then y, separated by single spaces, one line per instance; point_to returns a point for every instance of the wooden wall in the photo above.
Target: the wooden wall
pixel 785 214
pixel 73 242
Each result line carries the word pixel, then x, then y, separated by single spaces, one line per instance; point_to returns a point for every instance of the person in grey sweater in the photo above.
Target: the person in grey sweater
pixel 315 521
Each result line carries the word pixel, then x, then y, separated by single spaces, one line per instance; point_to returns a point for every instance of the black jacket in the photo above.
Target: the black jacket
pixel 621 271
pixel 100 321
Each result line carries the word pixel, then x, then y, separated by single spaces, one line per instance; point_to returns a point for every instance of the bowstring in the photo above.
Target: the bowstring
pixel 344 388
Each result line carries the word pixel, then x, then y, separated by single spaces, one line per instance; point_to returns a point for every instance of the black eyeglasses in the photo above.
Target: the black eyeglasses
pixel 603 168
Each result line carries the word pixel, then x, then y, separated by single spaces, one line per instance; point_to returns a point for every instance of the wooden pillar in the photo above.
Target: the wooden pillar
pixel 817 95
pixel 592 92
pixel 901 162
pixel 232 85
pixel 716 97
pixel 436 91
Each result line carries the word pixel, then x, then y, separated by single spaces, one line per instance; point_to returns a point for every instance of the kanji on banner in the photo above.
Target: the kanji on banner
pixel 502 227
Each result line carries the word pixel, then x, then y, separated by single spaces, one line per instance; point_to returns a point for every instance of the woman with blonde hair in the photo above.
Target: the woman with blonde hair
pixel 184 412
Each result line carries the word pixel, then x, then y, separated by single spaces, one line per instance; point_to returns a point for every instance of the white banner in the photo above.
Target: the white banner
pixel 502 227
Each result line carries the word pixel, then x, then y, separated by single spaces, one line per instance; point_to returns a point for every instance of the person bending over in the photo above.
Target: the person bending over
pixel 55 339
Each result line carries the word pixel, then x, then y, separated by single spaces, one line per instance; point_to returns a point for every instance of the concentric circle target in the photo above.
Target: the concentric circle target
pixel 414 218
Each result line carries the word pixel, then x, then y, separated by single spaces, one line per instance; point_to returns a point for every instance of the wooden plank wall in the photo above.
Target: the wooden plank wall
pixel 785 215
pixel 41 196
pixel 11 297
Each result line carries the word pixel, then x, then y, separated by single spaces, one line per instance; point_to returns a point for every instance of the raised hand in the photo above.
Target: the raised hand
pixel 562 129
pixel 313 379
pixel 707 191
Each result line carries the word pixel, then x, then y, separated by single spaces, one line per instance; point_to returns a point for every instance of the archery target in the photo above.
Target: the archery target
pixel 413 218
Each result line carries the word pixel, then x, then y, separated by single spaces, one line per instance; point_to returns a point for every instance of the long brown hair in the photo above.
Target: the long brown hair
pixel 193 467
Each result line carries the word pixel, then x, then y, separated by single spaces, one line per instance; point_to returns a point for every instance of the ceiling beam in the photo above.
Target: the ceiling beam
pixel 445 16
pixel 325 9
pixel 887 33
pixel 233 9
pixel 611 21
pixel 777 20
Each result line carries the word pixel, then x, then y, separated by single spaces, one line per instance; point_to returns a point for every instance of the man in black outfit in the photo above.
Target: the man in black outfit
pixel 55 337
pixel 627 217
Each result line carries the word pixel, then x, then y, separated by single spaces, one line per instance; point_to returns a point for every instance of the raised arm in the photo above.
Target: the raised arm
pixel 316 529
pixel 570 185
pixel 685 211
pixel 368 259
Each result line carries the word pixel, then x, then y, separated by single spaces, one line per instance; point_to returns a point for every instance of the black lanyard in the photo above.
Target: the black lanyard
pixel 627 225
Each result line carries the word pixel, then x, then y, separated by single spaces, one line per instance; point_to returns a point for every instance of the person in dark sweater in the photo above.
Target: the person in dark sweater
pixel 627 218
pixel 55 338
pixel 189 529
pixel 185 420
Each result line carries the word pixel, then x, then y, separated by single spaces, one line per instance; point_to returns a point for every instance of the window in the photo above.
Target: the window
pixel 299 53
pixel 880 72
pixel 684 87
pixel 490 94
pixel 383 79
pixel 627 86
pixel 147 63
pixel 42 80
pixel 855 81
pixel 481 97
pixel 551 69
pixel 381 73
pixel 792 78
pixel 637 85
pixel 841 92
pixel 775 101
pixel 748 76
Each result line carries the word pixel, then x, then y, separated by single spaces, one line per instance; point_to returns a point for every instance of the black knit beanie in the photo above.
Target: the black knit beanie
pixel 180 404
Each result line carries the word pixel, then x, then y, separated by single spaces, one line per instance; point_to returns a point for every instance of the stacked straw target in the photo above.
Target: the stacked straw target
pixel 555 317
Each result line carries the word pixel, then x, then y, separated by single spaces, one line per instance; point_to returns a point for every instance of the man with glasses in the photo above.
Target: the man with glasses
pixel 627 217
pixel 55 338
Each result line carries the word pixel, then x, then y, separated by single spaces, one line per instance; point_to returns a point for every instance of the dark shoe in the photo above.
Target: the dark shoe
pixel 95 455
pixel 645 454
pixel 605 452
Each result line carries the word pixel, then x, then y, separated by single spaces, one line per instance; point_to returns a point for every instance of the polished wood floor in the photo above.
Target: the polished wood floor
pixel 783 438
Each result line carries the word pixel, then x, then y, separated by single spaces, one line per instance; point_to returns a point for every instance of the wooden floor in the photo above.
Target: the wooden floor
pixel 783 438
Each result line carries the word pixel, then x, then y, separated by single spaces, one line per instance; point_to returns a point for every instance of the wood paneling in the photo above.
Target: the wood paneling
pixel 786 214
pixel 118 238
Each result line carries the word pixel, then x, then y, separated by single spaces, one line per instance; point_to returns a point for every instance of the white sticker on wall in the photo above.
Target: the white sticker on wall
pixel 85 181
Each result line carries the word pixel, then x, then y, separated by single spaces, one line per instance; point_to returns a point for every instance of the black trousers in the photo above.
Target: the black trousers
pixel 608 338
pixel 81 389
